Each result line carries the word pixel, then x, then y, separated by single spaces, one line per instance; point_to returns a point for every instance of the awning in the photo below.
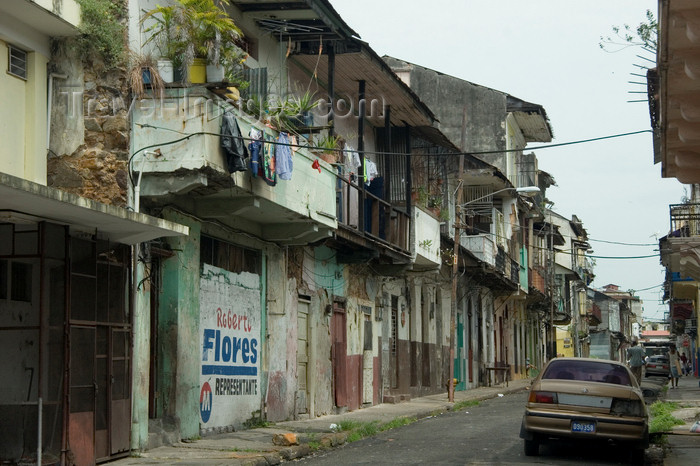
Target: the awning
pixel 23 201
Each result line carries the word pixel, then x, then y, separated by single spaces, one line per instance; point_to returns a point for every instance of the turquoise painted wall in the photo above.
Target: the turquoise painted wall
pixel 327 273
pixel 178 329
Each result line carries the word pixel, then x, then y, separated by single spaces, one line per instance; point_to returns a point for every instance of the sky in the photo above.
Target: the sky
pixel 547 52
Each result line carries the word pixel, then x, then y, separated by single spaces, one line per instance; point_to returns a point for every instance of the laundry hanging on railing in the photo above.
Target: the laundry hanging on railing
pixel 268 161
pixel 353 163
pixel 232 143
pixel 283 157
pixel 256 150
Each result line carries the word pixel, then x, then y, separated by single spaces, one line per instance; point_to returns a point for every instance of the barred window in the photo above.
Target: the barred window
pixel 17 62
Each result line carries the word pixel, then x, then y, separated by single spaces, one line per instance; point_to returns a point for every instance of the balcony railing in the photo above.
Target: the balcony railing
pixel 481 246
pixel 685 220
pixel 365 211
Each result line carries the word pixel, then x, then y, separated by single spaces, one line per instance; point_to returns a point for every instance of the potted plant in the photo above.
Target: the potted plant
pixel 328 147
pixel 197 31
pixel 162 31
pixel 300 109
pixel 143 73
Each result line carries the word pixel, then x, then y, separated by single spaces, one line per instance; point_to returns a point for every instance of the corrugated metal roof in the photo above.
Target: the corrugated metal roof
pixel 297 19
pixel 381 85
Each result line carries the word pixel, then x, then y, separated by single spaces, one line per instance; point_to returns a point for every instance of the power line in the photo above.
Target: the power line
pixel 310 147
pixel 621 243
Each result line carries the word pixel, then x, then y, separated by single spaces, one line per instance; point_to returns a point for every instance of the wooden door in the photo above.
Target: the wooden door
pixel 339 355
pixel 302 396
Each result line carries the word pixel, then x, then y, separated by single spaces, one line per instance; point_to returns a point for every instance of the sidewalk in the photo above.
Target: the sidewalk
pixel 684 445
pixel 255 447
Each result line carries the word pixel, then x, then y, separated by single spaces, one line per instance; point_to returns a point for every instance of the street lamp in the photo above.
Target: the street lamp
pixel 525 191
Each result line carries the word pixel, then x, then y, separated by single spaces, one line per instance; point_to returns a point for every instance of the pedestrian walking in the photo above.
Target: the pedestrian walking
pixel 674 362
pixel 684 363
pixel 635 356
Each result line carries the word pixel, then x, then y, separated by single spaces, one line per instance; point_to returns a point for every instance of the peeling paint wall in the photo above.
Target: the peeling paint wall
pixel 178 329
pixel 230 321
pixel 281 344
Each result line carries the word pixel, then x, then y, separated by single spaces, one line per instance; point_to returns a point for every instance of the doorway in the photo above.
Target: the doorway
pixel 339 354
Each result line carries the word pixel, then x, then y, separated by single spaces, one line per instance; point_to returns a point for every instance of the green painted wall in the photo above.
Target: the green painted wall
pixel 178 329
pixel 327 273
pixel 141 360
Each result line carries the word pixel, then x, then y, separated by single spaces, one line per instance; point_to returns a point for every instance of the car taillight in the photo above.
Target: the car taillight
pixel 627 407
pixel 543 397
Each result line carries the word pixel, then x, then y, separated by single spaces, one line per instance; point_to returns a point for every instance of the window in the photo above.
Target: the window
pixel 229 257
pixel 17 62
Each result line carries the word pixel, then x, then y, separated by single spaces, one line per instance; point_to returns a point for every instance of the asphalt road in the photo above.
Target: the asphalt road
pixel 483 434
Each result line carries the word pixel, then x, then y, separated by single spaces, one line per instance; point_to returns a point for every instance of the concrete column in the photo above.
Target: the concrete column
pixel 141 357
pixel 178 329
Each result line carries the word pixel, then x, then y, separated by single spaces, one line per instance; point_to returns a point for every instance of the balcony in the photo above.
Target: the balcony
pixel 679 249
pixel 55 19
pixel 685 220
pixel 482 246
pixel 179 158
pixel 427 240
pixel 366 218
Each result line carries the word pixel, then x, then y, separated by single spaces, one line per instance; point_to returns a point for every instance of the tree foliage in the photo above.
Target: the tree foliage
pixel 645 35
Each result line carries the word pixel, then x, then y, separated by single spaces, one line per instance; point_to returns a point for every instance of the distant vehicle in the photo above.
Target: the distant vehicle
pixel 588 400
pixel 657 365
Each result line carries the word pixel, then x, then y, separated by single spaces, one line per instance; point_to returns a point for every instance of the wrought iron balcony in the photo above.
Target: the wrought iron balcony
pixel 685 220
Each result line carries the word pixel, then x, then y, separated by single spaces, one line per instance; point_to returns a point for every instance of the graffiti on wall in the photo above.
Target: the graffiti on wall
pixel 230 347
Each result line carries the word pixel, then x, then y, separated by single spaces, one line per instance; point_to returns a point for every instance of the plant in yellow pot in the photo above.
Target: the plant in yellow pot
pixel 197 31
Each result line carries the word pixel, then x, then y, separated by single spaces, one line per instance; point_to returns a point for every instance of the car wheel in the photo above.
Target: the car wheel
pixel 532 447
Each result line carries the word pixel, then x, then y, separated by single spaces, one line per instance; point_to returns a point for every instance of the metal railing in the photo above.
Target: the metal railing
pixel 685 220
pixel 372 216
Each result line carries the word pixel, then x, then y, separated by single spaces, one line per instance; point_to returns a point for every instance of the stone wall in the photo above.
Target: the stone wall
pixel 89 144
pixel 97 168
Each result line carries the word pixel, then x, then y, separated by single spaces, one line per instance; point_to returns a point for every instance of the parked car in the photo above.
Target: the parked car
pixel 657 365
pixel 588 400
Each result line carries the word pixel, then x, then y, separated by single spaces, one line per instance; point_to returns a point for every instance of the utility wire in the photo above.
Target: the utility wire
pixel 306 146
pixel 621 243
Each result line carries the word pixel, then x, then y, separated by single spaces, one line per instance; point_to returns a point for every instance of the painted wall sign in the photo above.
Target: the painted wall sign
pixel 229 306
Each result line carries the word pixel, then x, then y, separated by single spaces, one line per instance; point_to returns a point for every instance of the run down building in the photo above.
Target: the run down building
pixel 673 91
pixel 258 294
pixel 66 289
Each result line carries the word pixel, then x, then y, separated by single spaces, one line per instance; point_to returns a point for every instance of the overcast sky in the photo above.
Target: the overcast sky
pixel 546 52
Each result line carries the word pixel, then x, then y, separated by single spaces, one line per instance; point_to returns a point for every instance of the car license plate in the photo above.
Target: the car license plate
pixel 583 427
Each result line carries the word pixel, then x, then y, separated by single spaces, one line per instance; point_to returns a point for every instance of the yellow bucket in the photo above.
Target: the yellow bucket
pixel 198 71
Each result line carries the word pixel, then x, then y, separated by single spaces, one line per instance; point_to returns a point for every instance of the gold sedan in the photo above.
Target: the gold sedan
pixel 586 399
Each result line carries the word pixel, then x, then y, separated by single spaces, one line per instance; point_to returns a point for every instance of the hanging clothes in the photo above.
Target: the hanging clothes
pixel 370 171
pixel 256 149
pixel 232 143
pixel 268 161
pixel 352 161
pixel 283 157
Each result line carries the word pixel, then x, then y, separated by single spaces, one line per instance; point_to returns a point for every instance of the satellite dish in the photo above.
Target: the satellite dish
pixel 372 287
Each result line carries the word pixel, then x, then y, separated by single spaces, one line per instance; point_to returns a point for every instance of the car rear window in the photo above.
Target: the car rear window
pixel 589 371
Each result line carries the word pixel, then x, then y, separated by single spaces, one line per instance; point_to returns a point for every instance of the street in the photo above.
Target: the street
pixel 483 434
